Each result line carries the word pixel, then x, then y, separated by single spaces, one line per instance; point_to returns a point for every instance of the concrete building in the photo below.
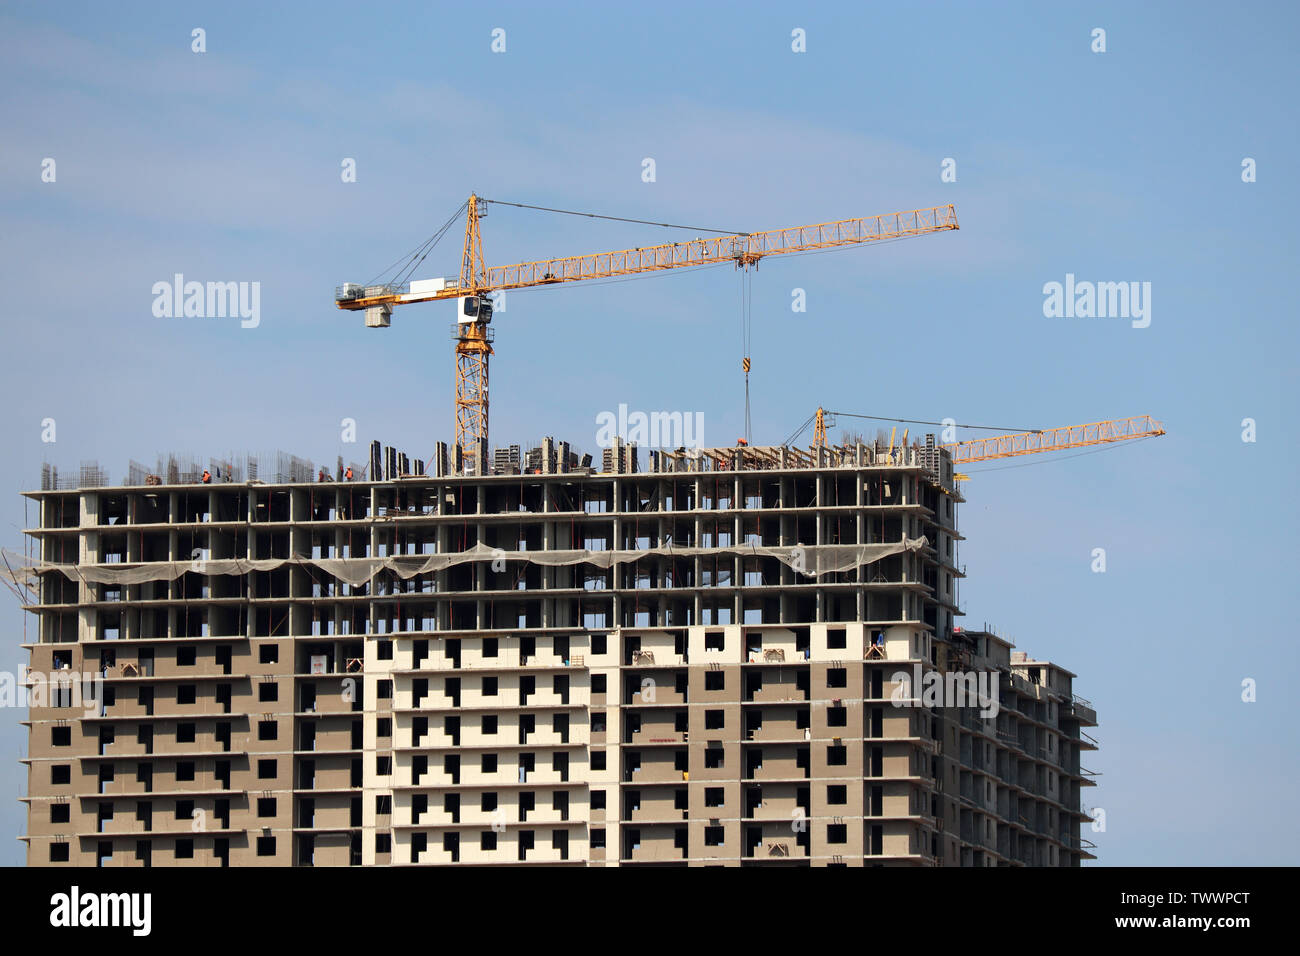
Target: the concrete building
pixel 720 661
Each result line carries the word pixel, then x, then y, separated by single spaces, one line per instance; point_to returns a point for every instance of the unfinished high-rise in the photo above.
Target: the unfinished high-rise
pixel 725 659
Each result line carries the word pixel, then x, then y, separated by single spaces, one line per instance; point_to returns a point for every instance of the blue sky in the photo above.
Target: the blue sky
pixel 1115 166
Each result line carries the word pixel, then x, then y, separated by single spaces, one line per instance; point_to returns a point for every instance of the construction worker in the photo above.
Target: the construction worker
pixel 207 477
pixel 347 475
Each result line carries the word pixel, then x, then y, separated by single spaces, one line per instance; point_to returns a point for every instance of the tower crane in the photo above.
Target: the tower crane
pixel 1054 439
pixel 1013 444
pixel 476 282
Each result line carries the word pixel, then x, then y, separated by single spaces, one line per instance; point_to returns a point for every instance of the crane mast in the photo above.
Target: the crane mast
pixel 473 345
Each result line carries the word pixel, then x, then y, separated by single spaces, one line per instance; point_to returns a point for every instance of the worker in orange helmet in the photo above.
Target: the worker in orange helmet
pixel 207 477
pixel 347 475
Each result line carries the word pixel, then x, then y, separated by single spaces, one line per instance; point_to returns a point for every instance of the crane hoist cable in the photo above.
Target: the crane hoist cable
pixel 746 338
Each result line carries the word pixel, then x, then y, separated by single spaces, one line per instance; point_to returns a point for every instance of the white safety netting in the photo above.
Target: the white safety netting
pixel 809 560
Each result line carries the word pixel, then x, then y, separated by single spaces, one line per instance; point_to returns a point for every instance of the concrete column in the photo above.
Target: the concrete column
pixel 820 536
pixel 548 576
pixel 737 577
pixel 443 543
pixel 250 514
pixel 480 578
pixel 859 529
pixel 698 563
pixel 619 571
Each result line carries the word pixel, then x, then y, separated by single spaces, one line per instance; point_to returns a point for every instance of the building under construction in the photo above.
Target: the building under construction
pixel 717 660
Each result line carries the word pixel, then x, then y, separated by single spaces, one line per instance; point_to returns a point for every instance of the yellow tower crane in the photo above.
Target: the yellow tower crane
pixel 1053 439
pixel 477 282
pixel 1013 444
